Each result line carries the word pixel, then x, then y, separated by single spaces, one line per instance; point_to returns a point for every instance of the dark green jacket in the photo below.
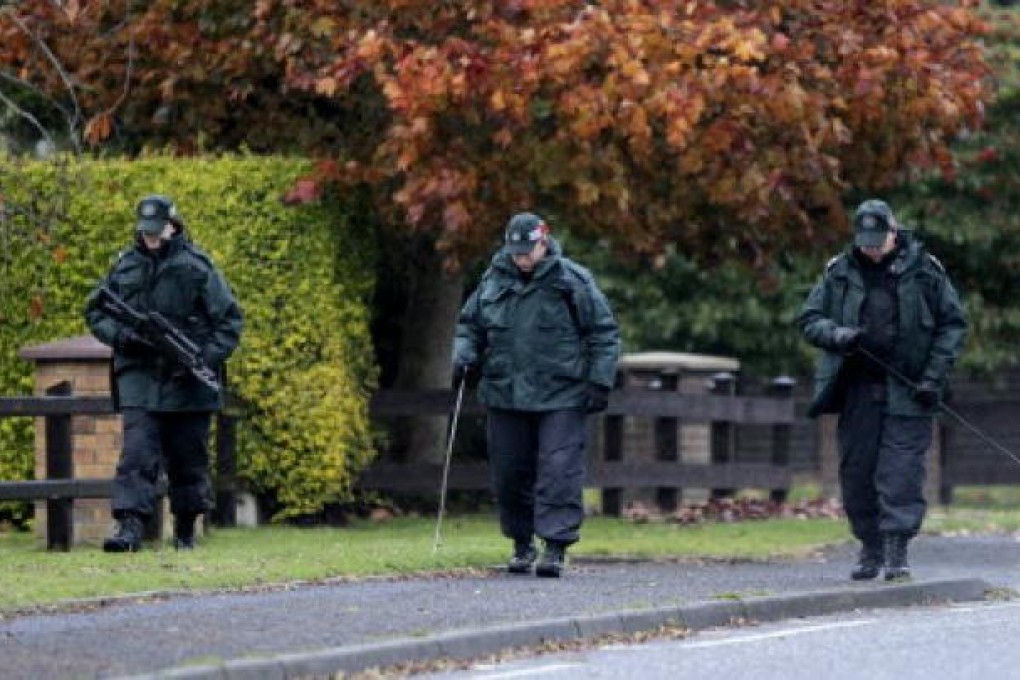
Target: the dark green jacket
pixel 181 283
pixel 932 326
pixel 538 342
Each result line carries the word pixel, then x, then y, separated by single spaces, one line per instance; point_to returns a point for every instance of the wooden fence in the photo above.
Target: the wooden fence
pixel 60 489
pixel 610 468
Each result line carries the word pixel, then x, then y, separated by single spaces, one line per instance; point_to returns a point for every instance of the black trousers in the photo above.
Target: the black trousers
pixel 176 442
pixel 538 467
pixel 882 465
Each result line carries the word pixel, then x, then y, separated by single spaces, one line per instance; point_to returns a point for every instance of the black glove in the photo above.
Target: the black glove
pixel 465 372
pixel 846 339
pixel 927 394
pixel 210 356
pixel 131 344
pixel 596 398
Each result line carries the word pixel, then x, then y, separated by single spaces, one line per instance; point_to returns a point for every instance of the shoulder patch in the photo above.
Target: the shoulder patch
pixel 938 265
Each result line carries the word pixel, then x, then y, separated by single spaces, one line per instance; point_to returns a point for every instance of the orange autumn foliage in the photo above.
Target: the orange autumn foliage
pixel 732 129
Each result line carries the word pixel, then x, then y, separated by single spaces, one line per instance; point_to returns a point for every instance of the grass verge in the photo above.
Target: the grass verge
pixel 252 558
pixel 239 558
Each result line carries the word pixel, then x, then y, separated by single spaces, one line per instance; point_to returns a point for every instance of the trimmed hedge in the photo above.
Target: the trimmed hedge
pixel 303 276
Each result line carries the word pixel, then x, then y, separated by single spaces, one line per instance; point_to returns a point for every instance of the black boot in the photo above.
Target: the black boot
pixel 184 532
pixel 896 567
pixel 523 558
pixel 553 560
pixel 869 562
pixel 128 537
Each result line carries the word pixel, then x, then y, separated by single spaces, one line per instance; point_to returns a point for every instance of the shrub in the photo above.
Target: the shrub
pixel 303 276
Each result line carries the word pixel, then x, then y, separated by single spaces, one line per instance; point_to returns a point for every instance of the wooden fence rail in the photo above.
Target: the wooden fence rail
pixel 60 489
pixel 610 468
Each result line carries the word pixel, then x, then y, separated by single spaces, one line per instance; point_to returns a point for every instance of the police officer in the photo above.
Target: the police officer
pixel 883 304
pixel 540 338
pixel 166 410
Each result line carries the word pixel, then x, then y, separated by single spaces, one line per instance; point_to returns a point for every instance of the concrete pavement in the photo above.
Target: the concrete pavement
pixel 321 629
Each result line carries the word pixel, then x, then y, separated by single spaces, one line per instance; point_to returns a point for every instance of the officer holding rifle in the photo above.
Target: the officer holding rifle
pixel 172 321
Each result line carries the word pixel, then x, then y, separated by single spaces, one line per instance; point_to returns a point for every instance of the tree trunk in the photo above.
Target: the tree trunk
pixel 433 303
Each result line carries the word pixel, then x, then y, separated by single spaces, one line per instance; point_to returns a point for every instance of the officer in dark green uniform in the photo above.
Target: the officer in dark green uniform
pixel 884 302
pixel 166 410
pixel 542 341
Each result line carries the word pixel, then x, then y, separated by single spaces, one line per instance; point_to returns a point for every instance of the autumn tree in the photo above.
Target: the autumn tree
pixel 730 130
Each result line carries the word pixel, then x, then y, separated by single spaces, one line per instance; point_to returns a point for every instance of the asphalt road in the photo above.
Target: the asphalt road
pixel 956 642
pixel 130 637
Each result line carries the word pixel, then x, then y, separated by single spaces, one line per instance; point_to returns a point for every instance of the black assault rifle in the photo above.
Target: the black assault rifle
pixel 161 334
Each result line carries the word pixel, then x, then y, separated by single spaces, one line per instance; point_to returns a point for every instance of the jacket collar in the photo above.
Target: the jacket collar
pixel 909 252
pixel 504 263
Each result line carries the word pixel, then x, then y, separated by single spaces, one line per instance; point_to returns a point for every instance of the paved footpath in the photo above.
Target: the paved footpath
pixel 317 629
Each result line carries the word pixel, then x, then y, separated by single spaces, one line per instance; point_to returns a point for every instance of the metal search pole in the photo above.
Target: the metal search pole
pixel 963 421
pixel 437 541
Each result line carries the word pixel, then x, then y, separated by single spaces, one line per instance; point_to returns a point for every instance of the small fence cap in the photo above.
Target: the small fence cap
pixel 79 348
pixel 676 362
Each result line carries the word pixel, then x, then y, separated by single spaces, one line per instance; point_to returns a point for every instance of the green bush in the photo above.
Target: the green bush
pixel 303 277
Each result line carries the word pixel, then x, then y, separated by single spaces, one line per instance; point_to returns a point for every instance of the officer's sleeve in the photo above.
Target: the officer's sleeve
pixel 469 339
pixel 950 333
pixel 602 338
pixel 812 320
pixel 225 318
pixel 101 324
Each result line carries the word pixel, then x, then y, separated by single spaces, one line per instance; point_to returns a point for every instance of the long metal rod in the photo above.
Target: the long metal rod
pixel 963 421
pixel 437 541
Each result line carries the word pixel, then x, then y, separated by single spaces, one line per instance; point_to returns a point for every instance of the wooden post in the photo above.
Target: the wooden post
pixel 828 454
pixel 781 387
pixel 612 450
pixel 723 437
pixel 945 469
pixel 225 512
pixel 59 511
pixel 666 443
pixel 933 467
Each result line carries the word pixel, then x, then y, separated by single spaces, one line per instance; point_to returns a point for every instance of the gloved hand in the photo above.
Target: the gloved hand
pixel 846 339
pixel 927 394
pixel 596 398
pixel 131 344
pixel 210 356
pixel 465 372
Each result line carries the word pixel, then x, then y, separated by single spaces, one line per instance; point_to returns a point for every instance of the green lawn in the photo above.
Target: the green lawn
pixel 240 558
pixel 268 555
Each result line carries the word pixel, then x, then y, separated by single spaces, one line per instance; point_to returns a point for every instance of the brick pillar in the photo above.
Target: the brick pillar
pixel 95 440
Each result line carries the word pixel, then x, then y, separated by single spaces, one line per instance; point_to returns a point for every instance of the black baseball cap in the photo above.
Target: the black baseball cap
pixel 154 212
pixel 524 231
pixel 873 221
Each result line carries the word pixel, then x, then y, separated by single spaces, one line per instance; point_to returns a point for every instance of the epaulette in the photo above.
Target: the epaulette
pixel 577 270
pixel 199 253
pixel 832 263
pixel 936 262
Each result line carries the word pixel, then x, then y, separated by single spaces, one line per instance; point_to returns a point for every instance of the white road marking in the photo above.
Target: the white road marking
pixel 778 634
pixel 984 608
pixel 539 670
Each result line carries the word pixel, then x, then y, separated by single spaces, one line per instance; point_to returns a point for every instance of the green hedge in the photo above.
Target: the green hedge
pixel 303 276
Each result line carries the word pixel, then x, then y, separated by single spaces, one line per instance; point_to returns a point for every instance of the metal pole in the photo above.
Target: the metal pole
pixel 963 421
pixel 437 541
